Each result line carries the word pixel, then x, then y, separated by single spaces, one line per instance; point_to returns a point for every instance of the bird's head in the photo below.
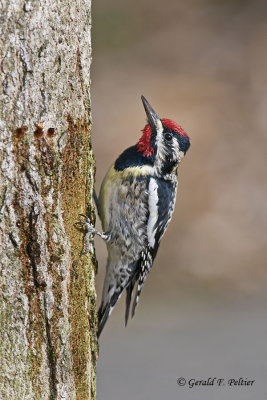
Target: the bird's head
pixel 163 142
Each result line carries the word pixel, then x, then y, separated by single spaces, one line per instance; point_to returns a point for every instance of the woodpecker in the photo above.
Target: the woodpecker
pixel 136 203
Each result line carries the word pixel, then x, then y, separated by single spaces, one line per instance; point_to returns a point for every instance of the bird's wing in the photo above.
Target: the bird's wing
pixel 146 261
pixel 161 199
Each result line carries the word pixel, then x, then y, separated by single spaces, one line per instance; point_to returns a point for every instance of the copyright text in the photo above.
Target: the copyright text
pixel 215 381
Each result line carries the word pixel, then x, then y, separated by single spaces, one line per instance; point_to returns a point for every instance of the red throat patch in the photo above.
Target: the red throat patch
pixel 144 144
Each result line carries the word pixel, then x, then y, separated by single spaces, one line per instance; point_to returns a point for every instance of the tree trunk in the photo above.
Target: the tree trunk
pixel 48 325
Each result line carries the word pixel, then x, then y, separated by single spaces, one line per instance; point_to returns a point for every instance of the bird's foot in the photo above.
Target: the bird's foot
pixel 90 231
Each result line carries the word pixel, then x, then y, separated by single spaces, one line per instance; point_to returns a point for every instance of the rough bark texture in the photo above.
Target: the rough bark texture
pixel 48 345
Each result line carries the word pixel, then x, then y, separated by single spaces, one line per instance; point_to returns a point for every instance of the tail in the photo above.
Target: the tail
pixel 105 310
pixel 129 291
pixel 112 291
pixel 103 314
pixel 137 295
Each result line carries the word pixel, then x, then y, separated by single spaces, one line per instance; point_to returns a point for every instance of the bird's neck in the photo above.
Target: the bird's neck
pixel 166 169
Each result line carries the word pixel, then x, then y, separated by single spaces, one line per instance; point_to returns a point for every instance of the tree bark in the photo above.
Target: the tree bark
pixel 48 344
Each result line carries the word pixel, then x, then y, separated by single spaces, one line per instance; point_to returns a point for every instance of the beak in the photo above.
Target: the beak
pixel 152 117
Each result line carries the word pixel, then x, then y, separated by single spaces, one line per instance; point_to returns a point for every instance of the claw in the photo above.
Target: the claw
pixel 90 231
pixel 78 223
pixel 85 216
pixel 87 224
pixel 86 250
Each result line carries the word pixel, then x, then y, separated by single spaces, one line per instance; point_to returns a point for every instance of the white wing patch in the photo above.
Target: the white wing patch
pixel 153 211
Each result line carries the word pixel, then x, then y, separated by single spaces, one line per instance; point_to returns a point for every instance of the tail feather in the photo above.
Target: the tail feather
pixel 105 311
pixel 103 314
pixel 109 297
pixel 137 295
pixel 129 291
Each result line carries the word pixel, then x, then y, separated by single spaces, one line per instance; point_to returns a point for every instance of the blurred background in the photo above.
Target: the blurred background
pixel 202 63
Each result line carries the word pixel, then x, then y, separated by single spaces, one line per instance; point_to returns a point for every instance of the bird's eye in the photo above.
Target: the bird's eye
pixel 168 137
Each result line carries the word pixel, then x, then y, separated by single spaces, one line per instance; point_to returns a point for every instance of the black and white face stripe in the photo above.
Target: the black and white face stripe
pixel 167 152
pixel 174 139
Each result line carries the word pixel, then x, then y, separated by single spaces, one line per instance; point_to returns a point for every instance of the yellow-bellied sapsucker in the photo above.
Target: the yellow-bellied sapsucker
pixel 136 203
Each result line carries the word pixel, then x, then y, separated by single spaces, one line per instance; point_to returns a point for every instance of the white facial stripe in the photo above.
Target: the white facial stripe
pixel 153 211
pixel 159 126
pixel 161 152
pixel 159 137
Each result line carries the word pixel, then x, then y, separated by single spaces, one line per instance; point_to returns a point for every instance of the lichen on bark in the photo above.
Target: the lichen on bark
pixel 48 343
